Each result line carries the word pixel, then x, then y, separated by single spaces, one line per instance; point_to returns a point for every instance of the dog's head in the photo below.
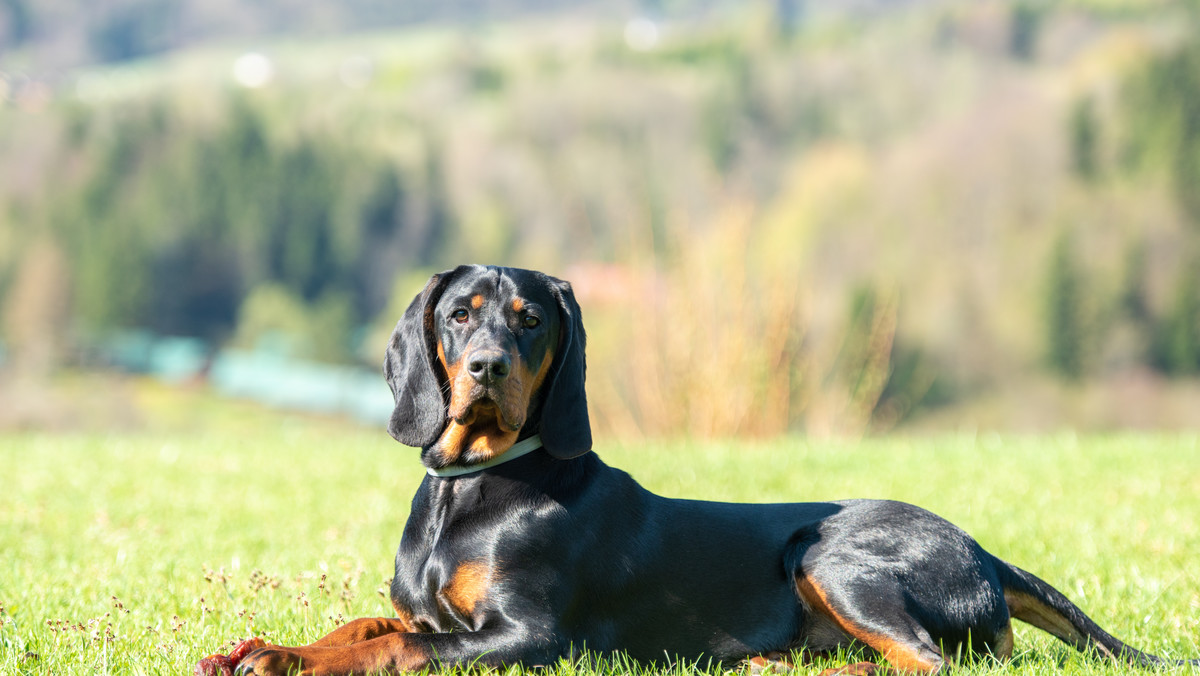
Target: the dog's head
pixel 483 357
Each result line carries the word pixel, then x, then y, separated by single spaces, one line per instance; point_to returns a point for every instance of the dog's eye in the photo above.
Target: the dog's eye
pixel 531 322
pixel 459 315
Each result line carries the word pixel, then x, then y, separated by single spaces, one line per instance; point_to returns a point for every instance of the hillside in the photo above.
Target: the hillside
pixel 935 213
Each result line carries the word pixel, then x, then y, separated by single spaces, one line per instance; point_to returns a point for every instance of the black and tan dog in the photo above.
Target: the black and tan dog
pixel 522 547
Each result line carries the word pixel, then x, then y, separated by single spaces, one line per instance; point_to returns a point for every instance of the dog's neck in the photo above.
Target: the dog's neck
pixel 518 450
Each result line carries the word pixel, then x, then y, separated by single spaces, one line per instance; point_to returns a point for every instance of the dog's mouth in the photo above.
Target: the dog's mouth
pixel 485 412
pixel 480 432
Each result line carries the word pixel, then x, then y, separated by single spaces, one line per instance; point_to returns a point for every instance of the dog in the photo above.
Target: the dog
pixel 522 547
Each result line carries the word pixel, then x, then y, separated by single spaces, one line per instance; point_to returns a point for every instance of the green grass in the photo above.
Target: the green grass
pixel 142 553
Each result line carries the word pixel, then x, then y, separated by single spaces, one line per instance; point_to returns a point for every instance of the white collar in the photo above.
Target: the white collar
pixel 518 449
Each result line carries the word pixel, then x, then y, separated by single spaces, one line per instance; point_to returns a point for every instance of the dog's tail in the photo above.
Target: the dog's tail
pixel 1030 599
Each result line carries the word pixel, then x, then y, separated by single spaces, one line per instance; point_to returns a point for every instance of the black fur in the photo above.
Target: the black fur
pixel 408 366
pixel 566 429
pixel 540 557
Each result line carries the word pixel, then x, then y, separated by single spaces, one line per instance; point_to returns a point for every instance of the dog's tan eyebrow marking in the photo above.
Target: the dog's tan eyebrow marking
pixel 518 305
pixel 477 301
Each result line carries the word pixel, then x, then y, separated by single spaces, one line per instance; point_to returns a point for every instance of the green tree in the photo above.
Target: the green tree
pixel 1178 344
pixel 1025 23
pixel 1085 139
pixel 1163 104
pixel 1134 300
pixel 175 219
pixel 1065 311
pixel 275 317
pixel 383 216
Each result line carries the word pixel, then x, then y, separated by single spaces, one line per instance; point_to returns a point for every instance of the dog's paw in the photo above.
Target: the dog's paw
pixel 225 665
pixel 214 665
pixel 241 650
pixel 268 661
pixel 856 669
pixel 770 663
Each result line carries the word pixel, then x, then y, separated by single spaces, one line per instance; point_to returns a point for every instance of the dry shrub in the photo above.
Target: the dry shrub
pixel 850 371
pixel 37 311
pixel 700 341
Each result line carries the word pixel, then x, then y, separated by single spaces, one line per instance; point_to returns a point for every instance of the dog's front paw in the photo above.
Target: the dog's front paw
pixel 769 663
pixel 225 665
pixel 270 661
pixel 214 665
pixel 856 669
pixel 241 650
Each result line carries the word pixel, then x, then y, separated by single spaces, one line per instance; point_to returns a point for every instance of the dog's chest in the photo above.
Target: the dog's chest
pixel 445 576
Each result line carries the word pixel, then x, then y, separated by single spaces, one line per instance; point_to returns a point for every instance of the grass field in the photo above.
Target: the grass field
pixel 141 553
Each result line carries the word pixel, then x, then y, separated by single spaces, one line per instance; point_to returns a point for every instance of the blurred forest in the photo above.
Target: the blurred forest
pixel 784 216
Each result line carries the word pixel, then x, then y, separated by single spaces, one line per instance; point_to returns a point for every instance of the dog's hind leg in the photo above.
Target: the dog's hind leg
pixel 883 626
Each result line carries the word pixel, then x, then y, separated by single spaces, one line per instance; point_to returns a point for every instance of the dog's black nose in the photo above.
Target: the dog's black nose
pixel 490 365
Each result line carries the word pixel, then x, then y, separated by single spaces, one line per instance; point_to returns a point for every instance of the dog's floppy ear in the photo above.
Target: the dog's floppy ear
pixel 409 366
pixel 566 430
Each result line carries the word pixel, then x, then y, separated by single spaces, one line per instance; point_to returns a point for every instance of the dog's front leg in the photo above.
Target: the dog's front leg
pixel 403 652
